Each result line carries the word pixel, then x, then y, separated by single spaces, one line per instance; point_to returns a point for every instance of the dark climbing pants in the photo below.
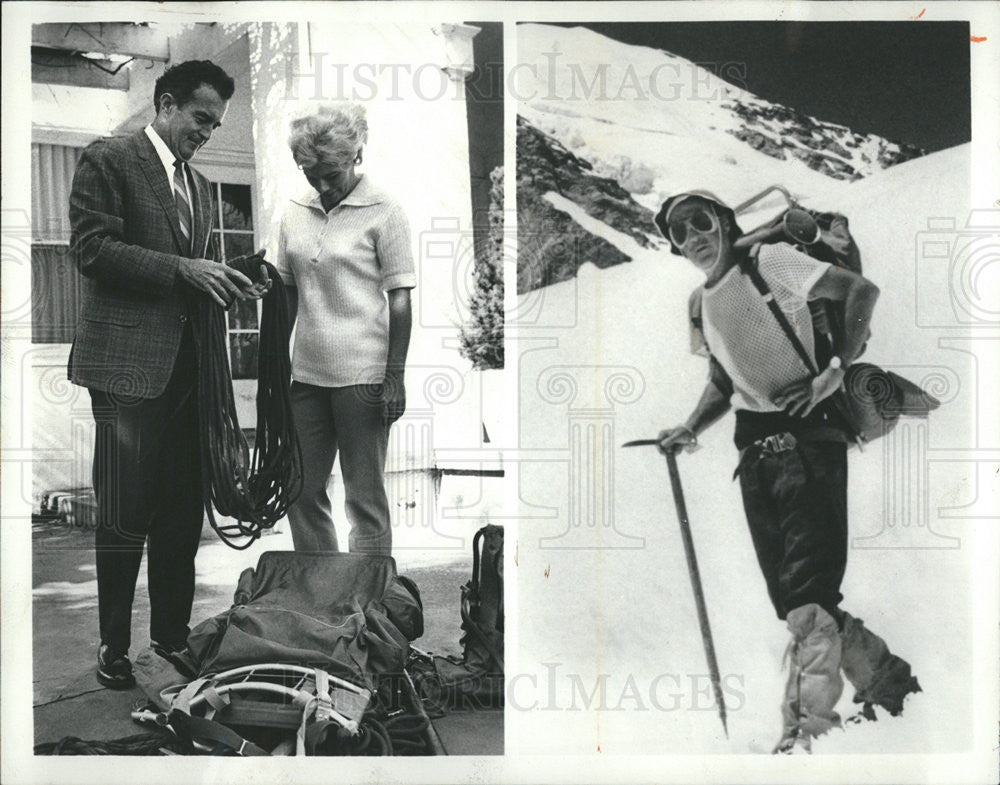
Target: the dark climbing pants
pixel 795 498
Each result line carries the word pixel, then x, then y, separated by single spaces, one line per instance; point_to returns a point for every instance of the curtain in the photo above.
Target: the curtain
pixel 55 294
pixel 52 168
pixel 55 282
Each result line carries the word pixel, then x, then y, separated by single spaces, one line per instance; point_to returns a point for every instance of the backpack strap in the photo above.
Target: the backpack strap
pixel 749 266
pixel 221 739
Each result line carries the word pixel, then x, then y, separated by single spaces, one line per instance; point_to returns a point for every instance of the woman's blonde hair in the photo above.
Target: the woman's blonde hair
pixel 333 133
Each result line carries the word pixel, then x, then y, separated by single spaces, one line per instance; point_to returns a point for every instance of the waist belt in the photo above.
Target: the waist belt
pixel 782 442
pixel 779 442
pixel 770 445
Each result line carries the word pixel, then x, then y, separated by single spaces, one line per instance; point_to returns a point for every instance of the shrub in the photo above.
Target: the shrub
pixel 482 337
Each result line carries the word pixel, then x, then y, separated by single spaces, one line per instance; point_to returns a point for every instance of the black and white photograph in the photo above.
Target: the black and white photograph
pixel 264 374
pixel 319 318
pixel 748 405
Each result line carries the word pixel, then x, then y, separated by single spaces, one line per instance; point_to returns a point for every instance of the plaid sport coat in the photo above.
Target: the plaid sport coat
pixel 127 243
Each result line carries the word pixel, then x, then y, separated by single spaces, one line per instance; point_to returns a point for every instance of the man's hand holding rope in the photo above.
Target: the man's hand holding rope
pixel 221 282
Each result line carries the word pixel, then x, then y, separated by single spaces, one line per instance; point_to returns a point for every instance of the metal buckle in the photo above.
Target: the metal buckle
pixel 779 442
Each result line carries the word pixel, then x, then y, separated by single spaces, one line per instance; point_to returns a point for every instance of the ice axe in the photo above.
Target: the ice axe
pixel 692 563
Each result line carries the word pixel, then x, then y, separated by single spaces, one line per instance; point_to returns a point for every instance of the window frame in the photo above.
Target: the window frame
pixel 216 183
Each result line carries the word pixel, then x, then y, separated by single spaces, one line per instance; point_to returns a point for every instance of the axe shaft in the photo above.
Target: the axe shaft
pixel 699 594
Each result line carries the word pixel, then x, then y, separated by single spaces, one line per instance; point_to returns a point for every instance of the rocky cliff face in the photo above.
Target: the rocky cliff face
pixel 833 150
pixel 551 244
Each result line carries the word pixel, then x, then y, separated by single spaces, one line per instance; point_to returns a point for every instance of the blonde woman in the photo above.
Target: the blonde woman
pixel 344 254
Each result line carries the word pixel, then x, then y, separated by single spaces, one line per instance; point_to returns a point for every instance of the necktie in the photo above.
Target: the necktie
pixel 181 198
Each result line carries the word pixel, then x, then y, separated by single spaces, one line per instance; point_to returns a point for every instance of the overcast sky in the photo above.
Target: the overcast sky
pixel 905 81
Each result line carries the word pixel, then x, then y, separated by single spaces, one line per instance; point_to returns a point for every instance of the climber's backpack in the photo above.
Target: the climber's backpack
pixel 479 670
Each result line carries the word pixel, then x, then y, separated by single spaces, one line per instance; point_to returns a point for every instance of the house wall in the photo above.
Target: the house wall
pixel 418 151
pixel 484 98
pixel 75 116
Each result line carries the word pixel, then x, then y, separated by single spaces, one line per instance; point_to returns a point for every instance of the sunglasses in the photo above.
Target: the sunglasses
pixel 702 221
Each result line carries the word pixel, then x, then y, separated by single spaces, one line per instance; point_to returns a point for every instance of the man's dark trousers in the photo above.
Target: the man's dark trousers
pixel 148 486
pixel 133 337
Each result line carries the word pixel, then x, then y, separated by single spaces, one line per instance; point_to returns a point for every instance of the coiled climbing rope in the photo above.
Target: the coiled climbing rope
pixel 256 489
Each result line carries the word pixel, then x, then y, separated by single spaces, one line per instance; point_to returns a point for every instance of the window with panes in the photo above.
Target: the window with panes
pixel 234 236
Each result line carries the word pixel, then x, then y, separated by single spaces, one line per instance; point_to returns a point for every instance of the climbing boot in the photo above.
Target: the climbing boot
pixel 814 684
pixel 878 676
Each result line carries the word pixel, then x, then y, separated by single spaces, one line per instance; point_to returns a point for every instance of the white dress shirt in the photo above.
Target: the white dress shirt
pixel 167 158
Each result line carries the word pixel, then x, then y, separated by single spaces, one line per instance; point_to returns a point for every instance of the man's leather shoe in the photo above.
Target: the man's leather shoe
pixel 114 669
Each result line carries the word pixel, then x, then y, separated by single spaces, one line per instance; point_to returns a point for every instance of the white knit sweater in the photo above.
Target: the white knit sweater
pixel 342 263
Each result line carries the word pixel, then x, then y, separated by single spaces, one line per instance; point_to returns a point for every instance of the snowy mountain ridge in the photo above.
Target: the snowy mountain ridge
pixel 831 149
pixel 577 73
pixel 551 246
pixel 618 128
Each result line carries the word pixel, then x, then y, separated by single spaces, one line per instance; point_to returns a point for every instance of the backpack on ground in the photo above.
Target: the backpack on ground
pixel 309 660
pixel 479 670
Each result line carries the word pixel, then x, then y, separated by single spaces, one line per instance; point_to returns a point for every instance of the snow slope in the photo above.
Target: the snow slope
pixel 597 610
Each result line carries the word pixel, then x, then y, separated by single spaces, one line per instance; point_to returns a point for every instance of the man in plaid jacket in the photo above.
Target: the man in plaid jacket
pixel 142 223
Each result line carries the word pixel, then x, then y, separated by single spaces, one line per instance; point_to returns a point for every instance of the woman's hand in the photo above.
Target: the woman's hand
pixel 393 397
pixel 263 284
pixel 800 398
